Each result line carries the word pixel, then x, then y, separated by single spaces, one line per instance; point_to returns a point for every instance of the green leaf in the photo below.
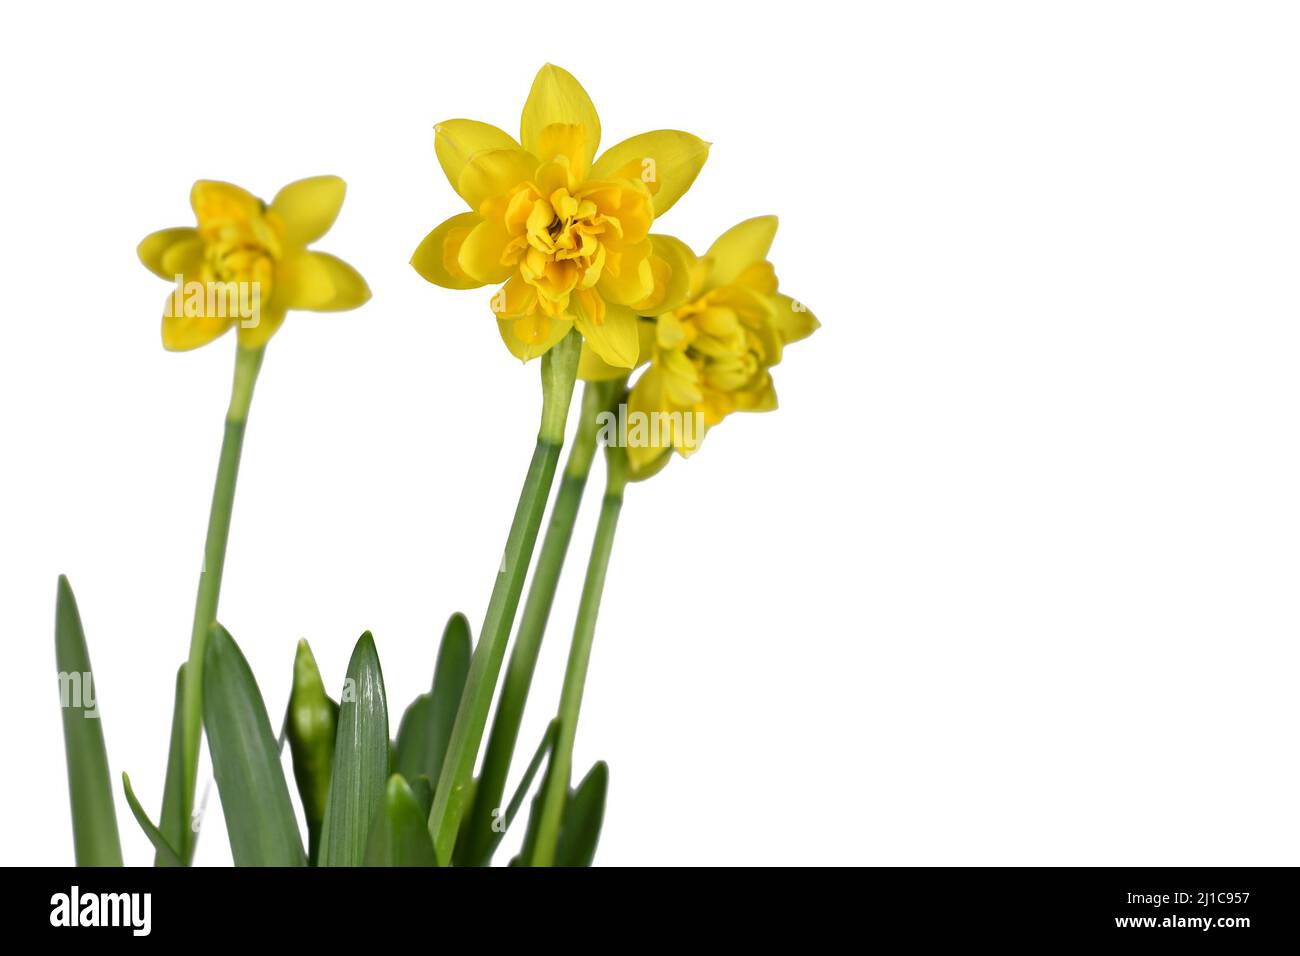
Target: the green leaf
pixel 246 760
pixel 310 724
pixel 400 833
pixel 426 726
pixel 583 814
pixel 175 828
pixel 521 791
pixel 414 738
pixel 360 760
pixel 94 818
pixel 165 853
pixel 422 788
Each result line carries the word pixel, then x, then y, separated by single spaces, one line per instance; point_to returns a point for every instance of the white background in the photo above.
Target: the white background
pixel 1010 577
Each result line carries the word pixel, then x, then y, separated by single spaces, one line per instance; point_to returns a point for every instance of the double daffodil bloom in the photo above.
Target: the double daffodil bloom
pixel 711 355
pixel 567 233
pixel 246 264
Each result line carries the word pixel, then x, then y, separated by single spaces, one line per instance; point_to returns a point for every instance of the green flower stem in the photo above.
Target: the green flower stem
pixel 248 362
pixel 559 371
pixel 480 838
pixel 556 792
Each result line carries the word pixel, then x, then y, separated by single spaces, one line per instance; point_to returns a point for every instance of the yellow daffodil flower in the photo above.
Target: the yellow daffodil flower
pixel 246 264
pixel 711 355
pixel 566 232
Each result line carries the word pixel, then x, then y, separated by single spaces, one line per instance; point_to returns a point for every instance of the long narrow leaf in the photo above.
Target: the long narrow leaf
pixel 521 791
pixel 165 853
pixel 400 833
pixel 449 676
pixel 175 828
pixel 246 760
pixel 361 760
pixel 94 818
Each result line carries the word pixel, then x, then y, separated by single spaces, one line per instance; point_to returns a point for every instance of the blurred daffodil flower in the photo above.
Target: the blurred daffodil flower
pixel 566 232
pixel 711 355
pixel 246 263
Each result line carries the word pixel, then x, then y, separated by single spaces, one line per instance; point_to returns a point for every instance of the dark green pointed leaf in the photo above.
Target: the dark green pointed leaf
pixel 94 818
pixel 415 739
pixel 360 766
pixel 422 788
pixel 449 676
pixel 310 725
pixel 400 833
pixel 166 856
pixel 246 760
pixel 171 822
pixel 583 814
pixel 426 725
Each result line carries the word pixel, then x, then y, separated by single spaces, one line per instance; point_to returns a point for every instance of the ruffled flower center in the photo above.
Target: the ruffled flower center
pixel 564 236
pixel 715 349
pixel 239 245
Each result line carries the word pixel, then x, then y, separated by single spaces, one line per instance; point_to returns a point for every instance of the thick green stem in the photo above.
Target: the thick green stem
pixel 559 370
pixel 479 835
pixel 556 794
pixel 248 362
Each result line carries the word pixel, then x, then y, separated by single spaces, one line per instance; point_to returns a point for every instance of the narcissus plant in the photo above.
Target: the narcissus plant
pixel 567 234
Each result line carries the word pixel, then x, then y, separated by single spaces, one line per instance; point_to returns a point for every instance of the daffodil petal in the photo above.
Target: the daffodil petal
pixel 666 160
pixel 319 282
pixel 566 142
pixel 530 336
pixel 672 264
pixel 616 340
pixel 740 247
pixel 183 258
pixel 155 245
pixel 635 279
pixel 493 173
pixel 556 97
pixel 180 333
pixel 792 319
pixel 759 399
pixel 215 201
pixel 255 334
pixel 593 368
pixel 458 141
pixel 515 299
pixel 646 401
pixel 307 208
pixel 436 256
pixel 480 253
pixel 304 282
pixel 350 289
